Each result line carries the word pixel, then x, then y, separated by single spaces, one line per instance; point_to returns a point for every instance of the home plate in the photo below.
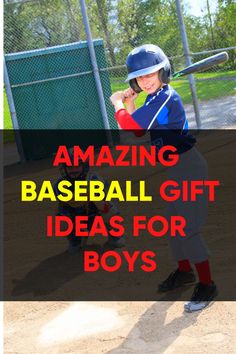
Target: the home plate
pixel 79 320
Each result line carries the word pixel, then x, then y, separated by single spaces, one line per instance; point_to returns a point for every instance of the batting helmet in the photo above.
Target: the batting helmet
pixel 145 60
pixel 74 173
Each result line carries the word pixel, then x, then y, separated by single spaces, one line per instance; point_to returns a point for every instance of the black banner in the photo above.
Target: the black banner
pixel 150 213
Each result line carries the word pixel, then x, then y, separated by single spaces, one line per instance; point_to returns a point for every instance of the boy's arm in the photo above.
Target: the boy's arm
pixel 123 117
pixel 126 121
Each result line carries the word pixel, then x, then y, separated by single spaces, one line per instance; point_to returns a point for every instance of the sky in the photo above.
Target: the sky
pixel 196 6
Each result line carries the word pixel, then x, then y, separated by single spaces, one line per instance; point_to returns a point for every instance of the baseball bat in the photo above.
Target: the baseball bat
pixel 203 64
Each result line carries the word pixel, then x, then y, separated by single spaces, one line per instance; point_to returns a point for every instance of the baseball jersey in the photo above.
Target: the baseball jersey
pixel 163 115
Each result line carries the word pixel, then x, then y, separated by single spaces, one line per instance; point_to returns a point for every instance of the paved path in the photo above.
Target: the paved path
pixel 215 114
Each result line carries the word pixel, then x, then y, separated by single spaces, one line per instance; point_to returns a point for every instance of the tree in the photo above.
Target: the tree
pixel 210 25
pixel 36 24
pixel 73 21
pixel 225 24
pixel 103 7
pixel 127 32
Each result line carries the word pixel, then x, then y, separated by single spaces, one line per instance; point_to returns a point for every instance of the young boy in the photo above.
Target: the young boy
pixel 164 117
pixel 90 209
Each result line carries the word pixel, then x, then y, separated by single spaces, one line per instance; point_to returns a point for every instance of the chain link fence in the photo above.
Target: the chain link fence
pixel 123 25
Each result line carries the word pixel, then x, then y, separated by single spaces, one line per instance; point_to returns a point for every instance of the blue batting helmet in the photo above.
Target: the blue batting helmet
pixel 145 60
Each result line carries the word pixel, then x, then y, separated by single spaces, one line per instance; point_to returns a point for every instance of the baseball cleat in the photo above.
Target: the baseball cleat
pixel 177 279
pixel 202 296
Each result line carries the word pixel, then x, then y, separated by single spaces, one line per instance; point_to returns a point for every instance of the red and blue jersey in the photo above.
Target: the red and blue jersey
pixel 162 110
pixel 164 116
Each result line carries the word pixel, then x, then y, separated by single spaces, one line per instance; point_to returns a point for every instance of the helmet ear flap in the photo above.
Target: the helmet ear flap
pixel 134 85
pixel 164 75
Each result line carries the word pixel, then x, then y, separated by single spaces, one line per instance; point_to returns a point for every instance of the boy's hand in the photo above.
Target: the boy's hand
pixel 117 97
pixel 117 100
pixel 129 96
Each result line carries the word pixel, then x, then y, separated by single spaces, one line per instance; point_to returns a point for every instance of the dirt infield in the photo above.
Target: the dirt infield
pixel 117 328
pixel 125 327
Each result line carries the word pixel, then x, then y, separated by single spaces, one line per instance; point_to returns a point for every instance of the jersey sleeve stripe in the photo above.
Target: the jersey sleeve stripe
pixel 159 110
pixel 185 126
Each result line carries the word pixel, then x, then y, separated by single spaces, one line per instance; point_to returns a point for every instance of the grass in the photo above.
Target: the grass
pixel 7 123
pixel 7 117
pixel 205 90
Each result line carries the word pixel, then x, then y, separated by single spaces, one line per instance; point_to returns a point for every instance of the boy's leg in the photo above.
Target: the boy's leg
pixel 188 249
pixel 191 248
pixel 205 291
pixel 197 253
